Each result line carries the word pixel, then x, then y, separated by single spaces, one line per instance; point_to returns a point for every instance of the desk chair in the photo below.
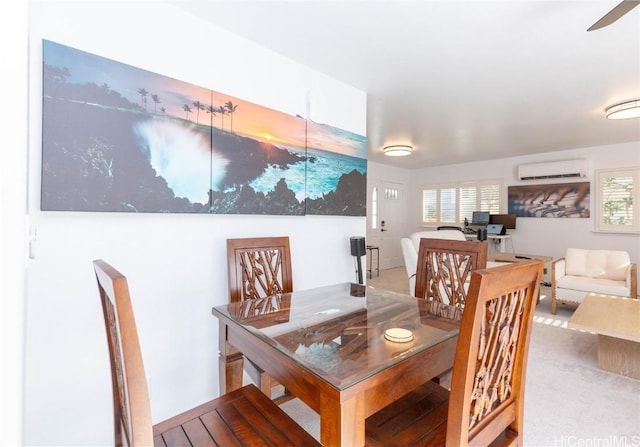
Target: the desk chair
pixel 444 269
pixel 485 406
pixel 259 267
pixel 243 417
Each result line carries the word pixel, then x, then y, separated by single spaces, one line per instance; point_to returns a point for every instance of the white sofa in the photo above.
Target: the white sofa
pixel 581 271
pixel 410 246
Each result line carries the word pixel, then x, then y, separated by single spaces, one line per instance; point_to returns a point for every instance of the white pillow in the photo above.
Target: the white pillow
pixel 576 262
pixel 605 264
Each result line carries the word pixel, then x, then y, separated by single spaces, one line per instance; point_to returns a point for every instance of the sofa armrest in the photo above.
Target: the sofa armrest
pixel 410 256
pixel 557 270
pixel 632 280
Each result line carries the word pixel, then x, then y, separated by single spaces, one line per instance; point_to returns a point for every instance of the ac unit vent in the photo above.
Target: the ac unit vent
pixel 553 169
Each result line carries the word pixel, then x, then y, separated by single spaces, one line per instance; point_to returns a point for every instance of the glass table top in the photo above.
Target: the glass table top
pixel 338 332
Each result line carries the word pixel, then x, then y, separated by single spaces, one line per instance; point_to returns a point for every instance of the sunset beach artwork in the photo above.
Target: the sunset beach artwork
pixel 118 138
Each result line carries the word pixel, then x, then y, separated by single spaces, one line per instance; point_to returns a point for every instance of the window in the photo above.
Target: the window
pixel 374 208
pixel 451 203
pixel 391 193
pixel 616 192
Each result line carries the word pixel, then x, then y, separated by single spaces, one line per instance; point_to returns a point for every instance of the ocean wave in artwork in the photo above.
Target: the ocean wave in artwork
pixel 183 157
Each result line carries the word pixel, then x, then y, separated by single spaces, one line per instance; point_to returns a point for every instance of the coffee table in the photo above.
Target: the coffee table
pixel 616 320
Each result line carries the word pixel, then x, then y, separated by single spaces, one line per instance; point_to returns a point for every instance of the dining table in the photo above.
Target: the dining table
pixel 346 350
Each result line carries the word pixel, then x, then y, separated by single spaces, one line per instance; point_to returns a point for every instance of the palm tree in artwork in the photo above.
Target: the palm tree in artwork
pixel 54 77
pixel 187 109
pixel 199 106
pixel 231 108
pixel 143 97
pixel 156 101
pixel 212 110
pixel 222 111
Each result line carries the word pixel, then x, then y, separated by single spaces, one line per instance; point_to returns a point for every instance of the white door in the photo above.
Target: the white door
pixel 384 230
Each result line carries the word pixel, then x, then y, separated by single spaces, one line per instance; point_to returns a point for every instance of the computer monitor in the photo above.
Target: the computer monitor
pixel 480 218
pixel 508 220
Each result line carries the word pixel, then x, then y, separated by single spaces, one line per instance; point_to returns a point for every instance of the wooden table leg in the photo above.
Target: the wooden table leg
pixel 230 363
pixel 619 356
pixel 342 424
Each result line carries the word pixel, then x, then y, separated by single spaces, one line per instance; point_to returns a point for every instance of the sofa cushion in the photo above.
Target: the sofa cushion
pixel 602 264
pixel 591 285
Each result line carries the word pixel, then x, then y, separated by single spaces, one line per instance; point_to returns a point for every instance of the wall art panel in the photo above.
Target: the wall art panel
pixel 120 138
pixel 551 200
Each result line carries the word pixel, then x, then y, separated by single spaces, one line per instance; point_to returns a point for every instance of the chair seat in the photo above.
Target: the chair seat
pixel 417 419
pixel 242 417
pixel 422 413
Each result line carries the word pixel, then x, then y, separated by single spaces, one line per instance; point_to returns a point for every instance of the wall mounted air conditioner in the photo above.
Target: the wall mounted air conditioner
pixel 553 169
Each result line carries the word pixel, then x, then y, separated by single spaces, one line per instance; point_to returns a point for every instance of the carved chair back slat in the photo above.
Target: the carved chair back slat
pixel 444 269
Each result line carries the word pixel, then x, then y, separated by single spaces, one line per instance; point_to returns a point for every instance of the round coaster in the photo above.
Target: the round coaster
pixel 398 335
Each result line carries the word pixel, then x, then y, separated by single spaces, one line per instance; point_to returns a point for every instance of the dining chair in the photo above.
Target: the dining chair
pixel 444 269
pixel 485 406
pixel 259 267
pixel 242 417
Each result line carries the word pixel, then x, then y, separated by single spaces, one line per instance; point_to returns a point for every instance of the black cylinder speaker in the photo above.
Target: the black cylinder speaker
pixel 358 250
pixel 357 246
pixel 482 234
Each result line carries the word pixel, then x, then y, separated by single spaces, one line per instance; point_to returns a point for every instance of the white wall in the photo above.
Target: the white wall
pixel 539 235
pixel 13 199
pixel 176 264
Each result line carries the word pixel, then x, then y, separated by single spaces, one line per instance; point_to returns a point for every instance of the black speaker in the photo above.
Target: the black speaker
pixel 357 246
pixel 482 234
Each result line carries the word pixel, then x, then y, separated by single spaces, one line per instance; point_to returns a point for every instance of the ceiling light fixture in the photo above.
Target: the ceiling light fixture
pixel 624 110
pixel 397 150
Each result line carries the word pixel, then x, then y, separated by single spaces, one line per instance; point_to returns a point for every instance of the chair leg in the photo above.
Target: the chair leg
pixel 266 383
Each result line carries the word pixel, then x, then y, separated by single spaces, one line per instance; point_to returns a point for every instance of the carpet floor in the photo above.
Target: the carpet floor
pixel 569 401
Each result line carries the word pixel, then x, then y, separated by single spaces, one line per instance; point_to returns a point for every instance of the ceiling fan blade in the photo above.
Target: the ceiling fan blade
pixel 623 7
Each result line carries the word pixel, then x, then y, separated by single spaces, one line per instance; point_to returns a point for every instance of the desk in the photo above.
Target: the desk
pixel 616 320
pixel 516 257
pixel 499 240
pixel 327 346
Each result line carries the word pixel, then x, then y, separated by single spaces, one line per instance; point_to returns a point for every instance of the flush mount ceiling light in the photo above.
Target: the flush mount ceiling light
pixel 624 110
pixel 397 150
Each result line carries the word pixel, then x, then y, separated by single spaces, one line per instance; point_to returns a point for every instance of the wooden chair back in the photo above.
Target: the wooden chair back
pixel 258 267
pixel 489 372
pixel 132 411
pixel 444 269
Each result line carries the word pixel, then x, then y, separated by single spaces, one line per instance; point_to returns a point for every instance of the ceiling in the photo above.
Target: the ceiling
pixel 460 80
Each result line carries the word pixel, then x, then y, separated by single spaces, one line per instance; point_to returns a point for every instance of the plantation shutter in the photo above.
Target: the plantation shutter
pixel 617 190
pixel 429 205
pixel 468 201
pixel 448 205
